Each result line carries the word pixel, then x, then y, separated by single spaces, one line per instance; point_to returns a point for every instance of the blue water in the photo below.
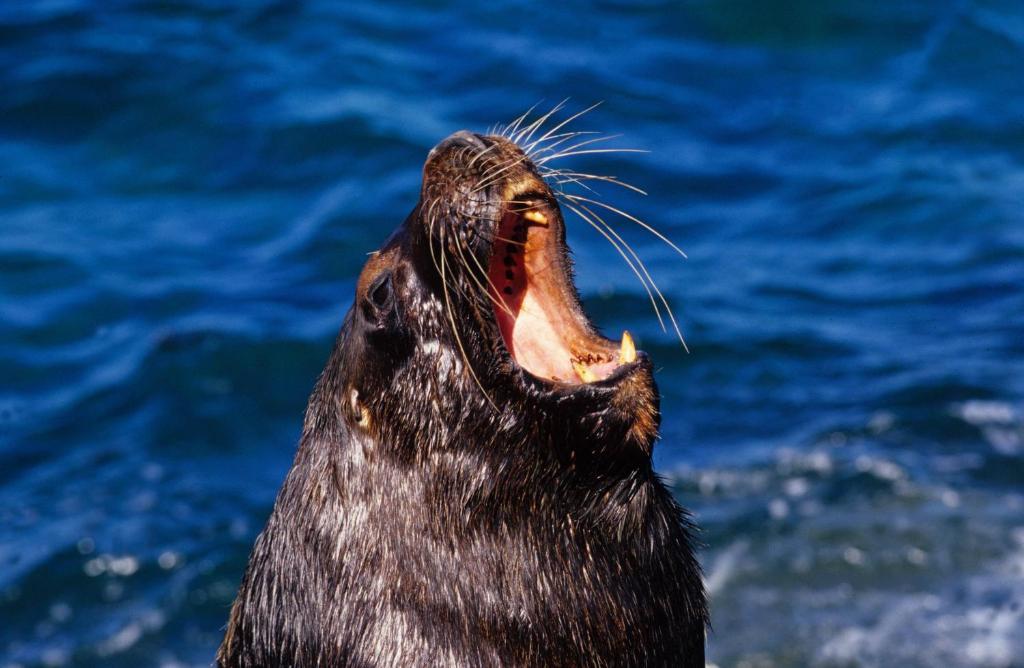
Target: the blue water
pixel 188 188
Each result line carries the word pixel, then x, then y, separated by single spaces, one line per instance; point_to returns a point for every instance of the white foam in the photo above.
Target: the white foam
pixel 981 413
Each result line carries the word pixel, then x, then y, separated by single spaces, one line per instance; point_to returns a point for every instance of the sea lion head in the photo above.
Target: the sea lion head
pixel 467 331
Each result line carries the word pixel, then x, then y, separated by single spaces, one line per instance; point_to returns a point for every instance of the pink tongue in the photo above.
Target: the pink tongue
pixel 531 334
pixel 536 343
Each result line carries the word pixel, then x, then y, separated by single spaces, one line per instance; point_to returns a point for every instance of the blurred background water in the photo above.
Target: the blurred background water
pixel 189 187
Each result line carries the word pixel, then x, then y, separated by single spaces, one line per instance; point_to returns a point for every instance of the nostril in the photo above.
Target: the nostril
pixel 468 138
pixel 462 138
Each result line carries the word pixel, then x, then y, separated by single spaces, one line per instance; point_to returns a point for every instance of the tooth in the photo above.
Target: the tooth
pixel 584 372
pixel 627 354
pixel 536 216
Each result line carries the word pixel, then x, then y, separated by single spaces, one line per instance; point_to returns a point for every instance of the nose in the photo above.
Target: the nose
pixel 459 139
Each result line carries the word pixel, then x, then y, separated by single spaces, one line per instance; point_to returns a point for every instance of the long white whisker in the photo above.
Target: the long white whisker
pixel 533 127
pixel 569 179
pixel 632 218
pixel 493 177
pixel 497 301
pixel 458 338
pixel 478 155
pixel 592 140
pixel 661 295
pixel 567 154
pixel 559 173
pixel 562 138
pixel 570 119
pixel 615 245
pixel 514 125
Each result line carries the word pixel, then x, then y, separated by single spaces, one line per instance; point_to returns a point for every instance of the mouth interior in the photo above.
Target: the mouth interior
pixel 541 322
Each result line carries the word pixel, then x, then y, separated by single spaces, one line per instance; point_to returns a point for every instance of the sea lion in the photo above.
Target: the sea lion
pixel 473 485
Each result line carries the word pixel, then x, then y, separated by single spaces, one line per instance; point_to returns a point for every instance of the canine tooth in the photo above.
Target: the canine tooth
pixel 536 216
pixel 627 354
pixel 584 372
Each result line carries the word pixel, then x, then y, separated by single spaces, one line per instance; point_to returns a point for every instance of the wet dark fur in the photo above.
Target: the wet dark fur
pixel 420 526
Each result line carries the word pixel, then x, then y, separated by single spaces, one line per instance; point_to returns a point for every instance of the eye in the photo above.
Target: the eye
pixel 380 292
pixel 378 305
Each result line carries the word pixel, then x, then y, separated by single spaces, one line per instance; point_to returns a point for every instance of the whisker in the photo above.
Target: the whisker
pixel 551 147
pixel 561 137
pixel 479 154
pixel 632 218
pixel 570 120
pixel 469 270
pixel 556 173
pixel 554 141
pixel 581 144
pixel 533 127
pixel 430 231
pixel 507 241
pixel 514 137
pixel 567 154
pixel 514 125
pixel 490 170
pixel 661 296
pixel 493 177
pixel 458 337
pixel 650 295
pixel 568 179
pixel 525 205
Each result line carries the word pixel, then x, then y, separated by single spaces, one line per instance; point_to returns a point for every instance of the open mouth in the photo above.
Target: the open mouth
pixel 536 308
